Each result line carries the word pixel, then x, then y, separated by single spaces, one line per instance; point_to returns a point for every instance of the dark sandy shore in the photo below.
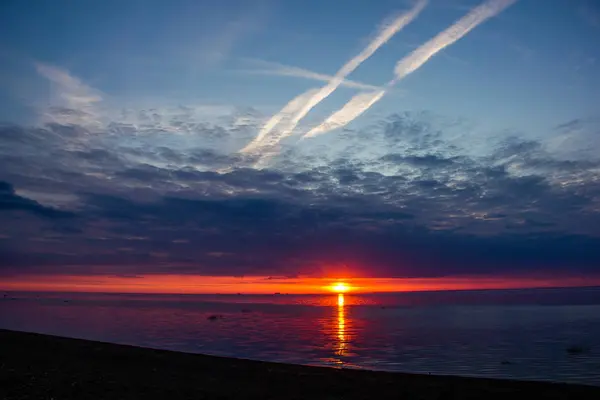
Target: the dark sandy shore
pixel 34 366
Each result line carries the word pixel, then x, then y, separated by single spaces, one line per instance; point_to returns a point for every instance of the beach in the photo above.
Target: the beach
pixel 35 366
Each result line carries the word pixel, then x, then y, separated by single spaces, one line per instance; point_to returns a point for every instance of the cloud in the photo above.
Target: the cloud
pixel 204 37
pixel 72 102
pixel 10 201
pixel 313 97
pixel 404 197
pixel 271 68
pixel 400 198
pixel 362 102
pixel 86 110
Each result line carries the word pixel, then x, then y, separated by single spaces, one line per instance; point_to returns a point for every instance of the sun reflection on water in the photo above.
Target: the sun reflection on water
pixel 339 329
pixel 342 342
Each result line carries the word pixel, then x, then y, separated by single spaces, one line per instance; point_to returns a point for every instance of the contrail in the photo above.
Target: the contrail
pixel 315 97
pixel 363 101
pixel 463 26
pixel 285 115
pixel 356 106
pixel 272 68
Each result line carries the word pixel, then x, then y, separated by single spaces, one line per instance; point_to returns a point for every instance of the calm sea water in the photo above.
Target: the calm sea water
pixel 521 334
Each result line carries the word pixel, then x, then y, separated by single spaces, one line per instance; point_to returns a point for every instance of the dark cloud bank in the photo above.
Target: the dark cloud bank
pixel 400 198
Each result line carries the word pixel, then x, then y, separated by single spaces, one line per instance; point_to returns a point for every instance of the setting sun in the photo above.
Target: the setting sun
pixel 340 287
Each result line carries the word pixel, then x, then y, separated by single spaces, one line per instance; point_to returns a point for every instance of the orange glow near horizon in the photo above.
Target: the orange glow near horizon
pixel 192 284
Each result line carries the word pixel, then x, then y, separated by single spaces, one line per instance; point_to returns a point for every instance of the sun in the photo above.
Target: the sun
pixel 340 287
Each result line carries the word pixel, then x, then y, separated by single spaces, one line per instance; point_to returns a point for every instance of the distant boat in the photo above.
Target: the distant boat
pixel 277 293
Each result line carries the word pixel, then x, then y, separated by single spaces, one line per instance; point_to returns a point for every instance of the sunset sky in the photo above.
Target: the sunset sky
pixel 285 145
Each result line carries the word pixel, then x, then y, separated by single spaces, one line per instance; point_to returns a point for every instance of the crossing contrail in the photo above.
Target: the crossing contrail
pixel 285 114
pixel 314 96
pixel 363 101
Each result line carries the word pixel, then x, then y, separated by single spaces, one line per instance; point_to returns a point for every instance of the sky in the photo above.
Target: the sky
pixel 269 146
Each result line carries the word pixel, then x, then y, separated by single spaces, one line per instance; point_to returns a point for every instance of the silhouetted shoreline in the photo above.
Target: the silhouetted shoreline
pixel 43 366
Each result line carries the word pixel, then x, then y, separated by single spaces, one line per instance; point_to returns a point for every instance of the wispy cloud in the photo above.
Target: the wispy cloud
pixel 314 97
pixel 363 101
pixel 272 68
pixel 217 47
pixel 73 102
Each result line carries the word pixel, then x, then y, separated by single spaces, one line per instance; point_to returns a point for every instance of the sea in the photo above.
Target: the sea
pixel 533 334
